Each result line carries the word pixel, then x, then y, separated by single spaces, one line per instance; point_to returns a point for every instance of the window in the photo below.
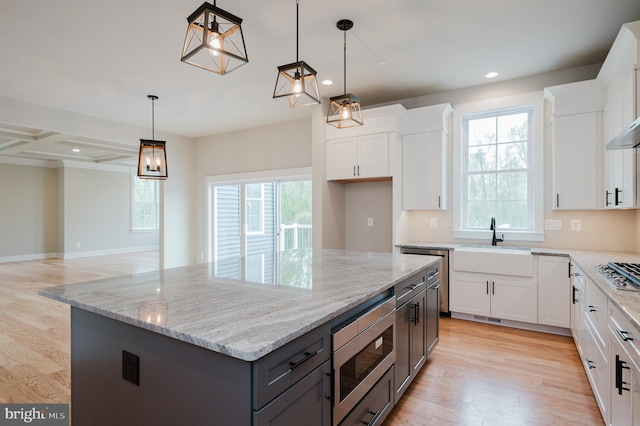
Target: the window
pixel 145 204
pixel 254 208
pixel 257 213
pixel 498 168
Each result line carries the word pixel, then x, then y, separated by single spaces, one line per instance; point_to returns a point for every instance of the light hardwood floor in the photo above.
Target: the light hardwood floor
pixel 479 374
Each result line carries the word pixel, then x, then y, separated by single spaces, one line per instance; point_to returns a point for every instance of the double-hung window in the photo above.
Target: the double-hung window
pixel 145 204
pixel 500 171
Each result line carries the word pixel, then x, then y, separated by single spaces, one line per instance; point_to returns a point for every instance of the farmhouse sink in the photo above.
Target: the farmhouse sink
pixel 498 260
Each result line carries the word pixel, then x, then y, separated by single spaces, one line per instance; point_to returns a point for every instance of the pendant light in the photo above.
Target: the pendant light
pixel 214 40
pixel 345 110
pixel 152 162
pixel 296 84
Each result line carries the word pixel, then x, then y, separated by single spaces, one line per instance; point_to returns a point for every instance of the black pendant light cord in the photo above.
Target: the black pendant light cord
pixel 345 63
pixel 297 24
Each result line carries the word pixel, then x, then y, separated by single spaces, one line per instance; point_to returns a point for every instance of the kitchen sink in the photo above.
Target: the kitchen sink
pixel 499 260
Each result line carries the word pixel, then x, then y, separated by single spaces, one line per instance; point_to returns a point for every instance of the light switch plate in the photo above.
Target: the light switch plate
pixel 434 222
pixel 370 221
pixel 576 224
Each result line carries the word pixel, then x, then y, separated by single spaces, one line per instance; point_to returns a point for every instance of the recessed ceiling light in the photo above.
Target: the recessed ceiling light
pixel 491 74
pixel 327 82
pixel 75 150
pixel 382 62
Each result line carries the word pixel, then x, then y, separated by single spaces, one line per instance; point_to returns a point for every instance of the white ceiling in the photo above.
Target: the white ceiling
pixel 103 58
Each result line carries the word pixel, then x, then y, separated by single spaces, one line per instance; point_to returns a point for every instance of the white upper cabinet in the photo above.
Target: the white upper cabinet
pixel 425 154
pixel 577 130
pixel 365 152
pixel 358 157
pixel 619 77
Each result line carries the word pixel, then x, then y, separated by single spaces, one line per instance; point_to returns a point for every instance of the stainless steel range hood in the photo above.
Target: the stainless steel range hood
pixel 629 138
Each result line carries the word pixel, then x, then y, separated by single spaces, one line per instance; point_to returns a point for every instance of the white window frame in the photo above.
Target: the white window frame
pixel 133 205
pixel 536 183
pixel 261 199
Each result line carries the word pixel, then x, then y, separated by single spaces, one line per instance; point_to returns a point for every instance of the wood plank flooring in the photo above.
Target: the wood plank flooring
pixel 479 374
pixel 484 374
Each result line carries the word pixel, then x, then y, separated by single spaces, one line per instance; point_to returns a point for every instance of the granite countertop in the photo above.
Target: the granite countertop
pixel 628 302
pixel 244 307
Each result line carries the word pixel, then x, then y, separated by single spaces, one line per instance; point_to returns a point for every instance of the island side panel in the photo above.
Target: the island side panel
pixel 179 383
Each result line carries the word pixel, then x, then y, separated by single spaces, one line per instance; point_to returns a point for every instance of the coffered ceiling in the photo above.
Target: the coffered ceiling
pixel 102 59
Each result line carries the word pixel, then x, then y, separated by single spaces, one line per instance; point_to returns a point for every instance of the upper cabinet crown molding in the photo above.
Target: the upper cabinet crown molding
pixel 376 120
pixel 576 98
pixel 427 119
pixel 624 55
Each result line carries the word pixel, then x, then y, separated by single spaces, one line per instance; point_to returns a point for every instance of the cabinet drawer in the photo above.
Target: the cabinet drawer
pixel 276 372
pixel 596 312
pixel 627 334
pixel 597 367
pixel 407 289
pixel 309 399
pixel 374 408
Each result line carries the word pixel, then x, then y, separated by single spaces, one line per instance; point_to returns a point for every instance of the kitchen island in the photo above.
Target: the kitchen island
pixel 215 343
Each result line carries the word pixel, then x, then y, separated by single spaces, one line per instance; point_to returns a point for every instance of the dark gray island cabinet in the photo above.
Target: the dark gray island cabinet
pixel 200 346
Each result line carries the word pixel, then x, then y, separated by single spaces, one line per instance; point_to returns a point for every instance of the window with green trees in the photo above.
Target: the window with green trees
pixel 497 169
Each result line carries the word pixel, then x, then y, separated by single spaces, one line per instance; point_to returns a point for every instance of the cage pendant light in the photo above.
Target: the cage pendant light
pixel 214 40
pixel 152 161
pixel 296 84
pixel 345 110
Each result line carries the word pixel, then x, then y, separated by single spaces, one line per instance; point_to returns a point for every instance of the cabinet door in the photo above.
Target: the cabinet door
pixel 424 171
pixel 308 399
pixel 554 291
pixel 575 156
pixel 373 156
pixel 419 332
pixel 433 316
pixel 469 294
pixel 342 158
pixel 514 298
pixel 598 372
pixel 577 309
pixel 403 348
pixel 621 385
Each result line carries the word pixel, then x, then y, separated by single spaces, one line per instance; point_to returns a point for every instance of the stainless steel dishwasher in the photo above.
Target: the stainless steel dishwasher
pixel 444 272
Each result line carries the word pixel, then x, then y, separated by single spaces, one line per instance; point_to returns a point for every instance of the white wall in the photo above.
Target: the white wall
pixel 364 201
pixel 177 211
pixel 273 147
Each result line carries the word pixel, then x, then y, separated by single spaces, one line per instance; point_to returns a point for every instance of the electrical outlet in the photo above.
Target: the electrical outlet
pixel 131 367
pixel 576 224
pixel 434 222
pixel 370 221
pixel 77 245
pixel 553 224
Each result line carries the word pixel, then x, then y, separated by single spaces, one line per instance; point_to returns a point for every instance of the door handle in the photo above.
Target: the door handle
pixel 487 286
pixel 574 294
pixel 617 199
pixel 493 287
pixel 606 198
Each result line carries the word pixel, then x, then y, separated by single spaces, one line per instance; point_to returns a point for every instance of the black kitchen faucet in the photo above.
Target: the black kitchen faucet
pixel 494 240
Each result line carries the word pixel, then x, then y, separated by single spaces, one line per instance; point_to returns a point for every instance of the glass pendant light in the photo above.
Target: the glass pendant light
pixel 214 40
pixel 152 161
pixel 345 110
pixel 296 84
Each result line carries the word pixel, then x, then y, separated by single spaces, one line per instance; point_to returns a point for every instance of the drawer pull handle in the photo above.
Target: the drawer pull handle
pixel 591 308
pixel 624 335
pixel 374 419
pixel 307 356
pixel 590 364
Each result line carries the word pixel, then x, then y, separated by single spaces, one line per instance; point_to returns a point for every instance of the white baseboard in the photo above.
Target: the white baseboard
pixel 513 324
pixel 41 256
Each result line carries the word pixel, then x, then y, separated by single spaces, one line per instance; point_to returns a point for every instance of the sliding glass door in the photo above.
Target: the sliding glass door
pixel 250 218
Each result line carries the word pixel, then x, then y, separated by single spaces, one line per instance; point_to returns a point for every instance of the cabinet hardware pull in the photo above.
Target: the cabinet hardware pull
pixel 624 335
pixel 374 419
pixel 617 199
pixel 590 364
pixel 606 198
pixel 569 269
pixel 416 313
pixel 307 356
pixel 354 170
pixel 358 170
pixel 557 200
pixel 487 286
pixel 574 294
pixel 591 308
pixel 620 365
pixel 439 202
pixel 493 287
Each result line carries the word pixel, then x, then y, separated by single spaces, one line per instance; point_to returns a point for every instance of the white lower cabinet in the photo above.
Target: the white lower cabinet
pixel 597 367
pixel 624 371
pixel 554 291
pixel 578 304
pixel 499 296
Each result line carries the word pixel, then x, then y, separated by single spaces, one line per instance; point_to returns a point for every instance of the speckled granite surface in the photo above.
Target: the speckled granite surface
pixel 244 307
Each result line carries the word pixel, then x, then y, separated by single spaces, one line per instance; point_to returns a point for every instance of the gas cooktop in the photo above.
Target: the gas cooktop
pixel 622 276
